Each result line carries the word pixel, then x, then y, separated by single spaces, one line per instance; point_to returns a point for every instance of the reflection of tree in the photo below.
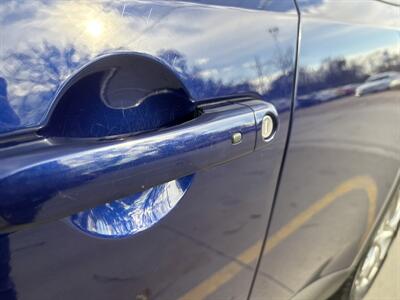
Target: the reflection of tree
pixel 130 215
pixel 283 57
pixel 387 62
pixel 336 72
pixel 34 77
pixel 200 86
pixel 43 65
pixel 278 85
pixel 331 73
pixel 282 62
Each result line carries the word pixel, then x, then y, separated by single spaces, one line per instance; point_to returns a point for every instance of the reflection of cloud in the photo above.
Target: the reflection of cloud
pixel 130 215
pixel 202 61
pixel 266 80
pixel 47 42
pixel 209 73
pixel 355 41
pixel 90 27
pixel 367 12
pixel 25 88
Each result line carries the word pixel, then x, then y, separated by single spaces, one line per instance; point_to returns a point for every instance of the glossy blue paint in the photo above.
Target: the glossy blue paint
pixel 125 93
pixel 339 140
pixel 55 103
pixel 37 63
pixel 81 173
pixel 125 217
pixel 229 49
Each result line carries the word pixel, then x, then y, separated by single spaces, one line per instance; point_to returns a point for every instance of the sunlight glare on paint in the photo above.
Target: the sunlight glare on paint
pixel 94 28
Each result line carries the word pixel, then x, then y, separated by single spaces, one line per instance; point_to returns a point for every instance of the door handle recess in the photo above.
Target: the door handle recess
pixel 54 177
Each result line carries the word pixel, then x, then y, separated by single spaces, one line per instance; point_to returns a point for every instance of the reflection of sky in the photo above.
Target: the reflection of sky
pixel 271 5
pixel 351 27
pixel 367 12
pixel 47 41
pixel 130 215
pixel 353 41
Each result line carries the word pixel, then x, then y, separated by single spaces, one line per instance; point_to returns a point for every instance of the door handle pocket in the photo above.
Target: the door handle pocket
pixel 54 176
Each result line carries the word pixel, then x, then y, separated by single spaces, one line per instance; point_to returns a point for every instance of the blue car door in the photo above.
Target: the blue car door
pixel 140 145
pixel 342 166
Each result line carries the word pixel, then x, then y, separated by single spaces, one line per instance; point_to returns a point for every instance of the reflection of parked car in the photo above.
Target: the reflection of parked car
pixel 348 89
pixel 395 84
pixel 378 82
pixel 196 149
pixel 326 95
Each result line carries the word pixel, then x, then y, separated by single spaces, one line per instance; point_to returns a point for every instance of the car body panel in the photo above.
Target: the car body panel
pixel 343 154
pixel 215 49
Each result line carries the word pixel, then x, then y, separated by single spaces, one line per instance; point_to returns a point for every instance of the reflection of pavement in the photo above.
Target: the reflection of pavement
pixel 212 252
pixel 348 122
pixel 297 227
pixel 225 274
pixel 205 232
pixel 387 283
pixel 331 143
